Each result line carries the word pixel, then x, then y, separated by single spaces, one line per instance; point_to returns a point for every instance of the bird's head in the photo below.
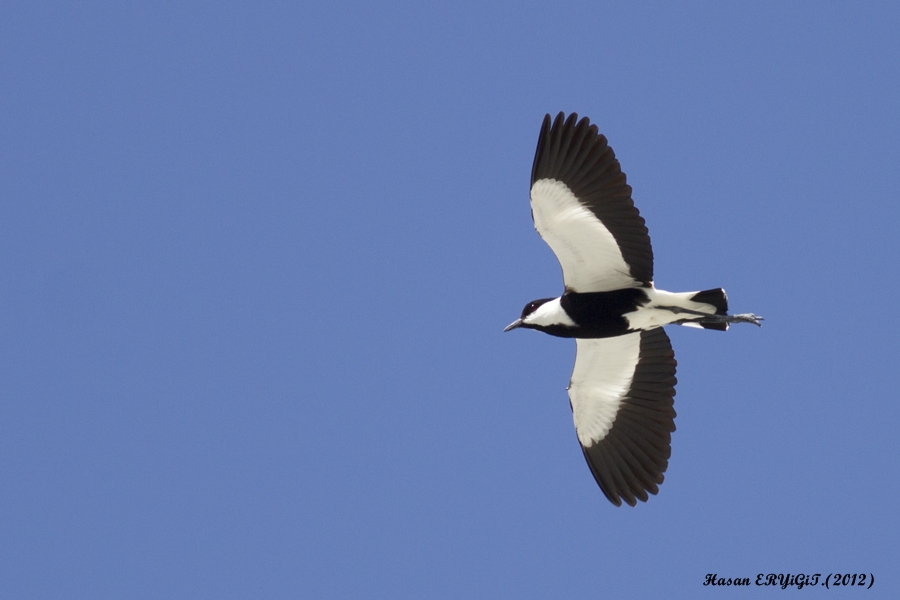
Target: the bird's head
pixel 532 315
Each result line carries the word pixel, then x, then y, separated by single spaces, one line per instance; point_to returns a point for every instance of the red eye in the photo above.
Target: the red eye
pixel 532 307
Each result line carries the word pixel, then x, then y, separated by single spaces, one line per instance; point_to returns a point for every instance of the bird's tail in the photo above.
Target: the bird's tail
pixel 718 299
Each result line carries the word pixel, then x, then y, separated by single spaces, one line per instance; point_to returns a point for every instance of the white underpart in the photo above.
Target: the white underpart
pixel 588 253
pixel 550 313
pixel 653 315
pixel 604 369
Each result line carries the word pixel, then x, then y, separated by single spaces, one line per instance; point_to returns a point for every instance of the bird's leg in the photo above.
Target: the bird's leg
pixel 741 318
pixel 708 318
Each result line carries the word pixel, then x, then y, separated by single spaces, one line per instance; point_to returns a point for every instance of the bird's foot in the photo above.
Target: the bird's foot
pixel 742 318
pixel 708 318
pixel 747 318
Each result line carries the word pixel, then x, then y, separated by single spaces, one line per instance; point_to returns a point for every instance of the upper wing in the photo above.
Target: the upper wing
pixel 622 392
pixel 582 208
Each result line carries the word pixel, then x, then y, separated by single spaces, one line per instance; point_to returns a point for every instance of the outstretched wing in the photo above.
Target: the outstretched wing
pixel 622 392
pixel 582 208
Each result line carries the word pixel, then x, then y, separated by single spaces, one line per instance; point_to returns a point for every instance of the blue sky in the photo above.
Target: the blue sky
pixel 255 260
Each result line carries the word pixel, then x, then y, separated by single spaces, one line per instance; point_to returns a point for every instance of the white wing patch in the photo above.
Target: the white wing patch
pixel 588 253
pixel 604 369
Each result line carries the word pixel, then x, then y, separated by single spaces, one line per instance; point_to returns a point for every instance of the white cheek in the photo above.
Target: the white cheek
pixel 550 313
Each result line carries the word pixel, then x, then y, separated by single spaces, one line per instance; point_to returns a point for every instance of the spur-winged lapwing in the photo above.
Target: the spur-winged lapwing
pixel 623 384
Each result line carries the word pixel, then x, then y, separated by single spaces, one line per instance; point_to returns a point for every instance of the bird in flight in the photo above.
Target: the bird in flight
pixel 623 383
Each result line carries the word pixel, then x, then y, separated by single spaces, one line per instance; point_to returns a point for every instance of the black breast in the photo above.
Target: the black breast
pixel 599 314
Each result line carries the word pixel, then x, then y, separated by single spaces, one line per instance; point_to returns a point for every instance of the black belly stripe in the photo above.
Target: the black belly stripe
pixel 601 314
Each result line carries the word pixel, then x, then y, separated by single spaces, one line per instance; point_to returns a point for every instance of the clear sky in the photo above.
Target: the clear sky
pixel 255 260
